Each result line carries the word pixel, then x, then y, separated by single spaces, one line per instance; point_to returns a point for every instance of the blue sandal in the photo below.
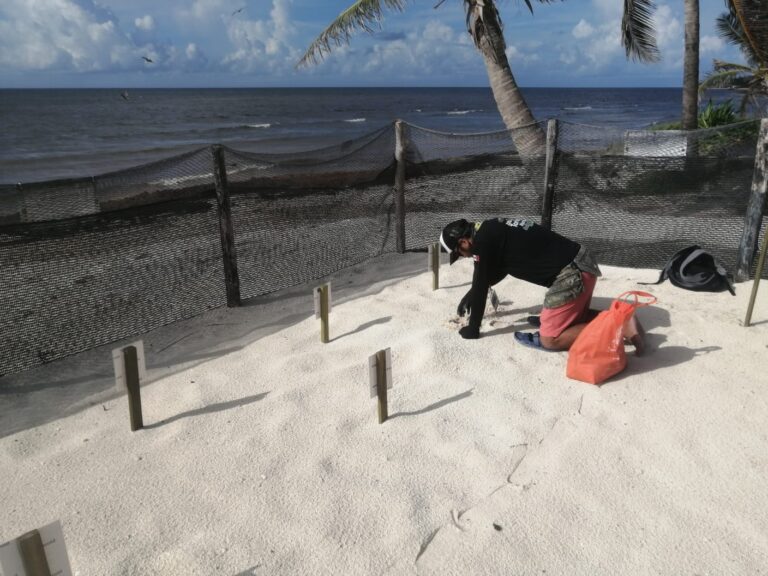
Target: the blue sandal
pixel 532 340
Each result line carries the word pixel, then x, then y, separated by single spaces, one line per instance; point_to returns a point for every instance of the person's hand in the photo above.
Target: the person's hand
pixel 465 306
pixel 469 332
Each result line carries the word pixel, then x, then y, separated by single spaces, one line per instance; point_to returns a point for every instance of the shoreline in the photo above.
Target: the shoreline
pixel 75 126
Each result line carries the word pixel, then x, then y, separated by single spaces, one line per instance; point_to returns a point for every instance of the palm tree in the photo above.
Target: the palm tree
pixel 485 27
pixel 690 120
pixel 744 25
pixel 753 16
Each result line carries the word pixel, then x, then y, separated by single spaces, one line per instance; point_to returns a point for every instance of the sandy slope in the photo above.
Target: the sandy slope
pixel 262 453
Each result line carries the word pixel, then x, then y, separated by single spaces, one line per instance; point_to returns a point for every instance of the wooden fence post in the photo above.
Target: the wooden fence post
pixel 226 231
pixel 400 146
pixel 550 174
pixel 133 384
pixel 754 217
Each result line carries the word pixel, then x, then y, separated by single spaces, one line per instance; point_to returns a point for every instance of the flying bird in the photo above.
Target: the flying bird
pixel 148 59
pixel 238 11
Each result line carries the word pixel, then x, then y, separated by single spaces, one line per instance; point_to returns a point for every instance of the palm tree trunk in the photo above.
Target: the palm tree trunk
pixel 528 137
pixel 691 66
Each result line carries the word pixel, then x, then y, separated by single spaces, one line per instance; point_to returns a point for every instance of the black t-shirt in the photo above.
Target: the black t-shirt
pixel 519 248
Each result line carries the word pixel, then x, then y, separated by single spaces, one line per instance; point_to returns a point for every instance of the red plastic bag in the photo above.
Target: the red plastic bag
pixel 598 352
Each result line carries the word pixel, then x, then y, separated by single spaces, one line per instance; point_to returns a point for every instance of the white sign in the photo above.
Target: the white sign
pixel 53 546
pixel 119 364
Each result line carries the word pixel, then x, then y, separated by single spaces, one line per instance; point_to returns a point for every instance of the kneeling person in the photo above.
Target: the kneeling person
pixel 523 249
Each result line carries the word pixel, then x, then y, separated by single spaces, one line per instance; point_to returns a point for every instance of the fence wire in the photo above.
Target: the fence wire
pixel 89 261
pixel 472 176
pixel 71 285
pixel 645 195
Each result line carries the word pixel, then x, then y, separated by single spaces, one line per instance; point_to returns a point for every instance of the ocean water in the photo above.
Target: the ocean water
pixel 50 134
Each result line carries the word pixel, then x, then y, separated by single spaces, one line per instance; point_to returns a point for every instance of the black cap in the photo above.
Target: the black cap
pixel 454 231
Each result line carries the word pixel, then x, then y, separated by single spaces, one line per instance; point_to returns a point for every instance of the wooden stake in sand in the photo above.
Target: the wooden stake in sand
pixel 380 379
pixel 434 264
pixel 129 369
pixel 756 283
pixel 322 309
pixel 40 552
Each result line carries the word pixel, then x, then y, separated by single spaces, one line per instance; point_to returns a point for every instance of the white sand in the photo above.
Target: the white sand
pixel 262 453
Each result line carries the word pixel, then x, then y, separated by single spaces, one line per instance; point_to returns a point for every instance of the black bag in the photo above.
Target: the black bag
pixel 694 268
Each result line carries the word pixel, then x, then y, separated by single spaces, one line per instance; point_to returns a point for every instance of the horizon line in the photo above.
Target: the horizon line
pixel 339 88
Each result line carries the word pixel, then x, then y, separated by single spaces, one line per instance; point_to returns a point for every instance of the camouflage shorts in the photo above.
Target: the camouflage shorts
pixel 566 287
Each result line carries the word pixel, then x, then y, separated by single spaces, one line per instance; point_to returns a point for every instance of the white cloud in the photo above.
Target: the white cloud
pixel 77 35
pixel 263 45
pixel 145 23
pixel 611 9
pixel 204 10
pixel 582 29
pixel 669 32
pixel 597 46
pixel 710 44
pixel 517 56
pixel 436 31
pixel 568 57
pixel 432 49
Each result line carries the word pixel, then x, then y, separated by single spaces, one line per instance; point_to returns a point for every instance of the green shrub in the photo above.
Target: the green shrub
pixel 717 115
pixel 712 115
pixel 735 141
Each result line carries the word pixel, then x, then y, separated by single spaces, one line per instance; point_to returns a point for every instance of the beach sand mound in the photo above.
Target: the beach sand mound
pixel 262 454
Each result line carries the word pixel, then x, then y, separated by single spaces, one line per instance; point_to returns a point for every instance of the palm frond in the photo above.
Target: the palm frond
pixel 728 79
pixel 729 28
pixel 361 16
pixel 722 66
pixel 530 7
pixel 638 35
pixel 753 17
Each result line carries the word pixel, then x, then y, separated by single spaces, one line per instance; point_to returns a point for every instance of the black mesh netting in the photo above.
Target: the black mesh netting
pixel 181 176
pixel 473 176
pixel 90 261
pixel 302 216
pixel 70 285
pixel 636 197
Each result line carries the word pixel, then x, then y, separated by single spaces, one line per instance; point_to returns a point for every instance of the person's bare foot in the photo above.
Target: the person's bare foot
pixel 636 335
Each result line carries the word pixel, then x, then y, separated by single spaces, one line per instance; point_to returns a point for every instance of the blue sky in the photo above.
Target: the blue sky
pixel 256 43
